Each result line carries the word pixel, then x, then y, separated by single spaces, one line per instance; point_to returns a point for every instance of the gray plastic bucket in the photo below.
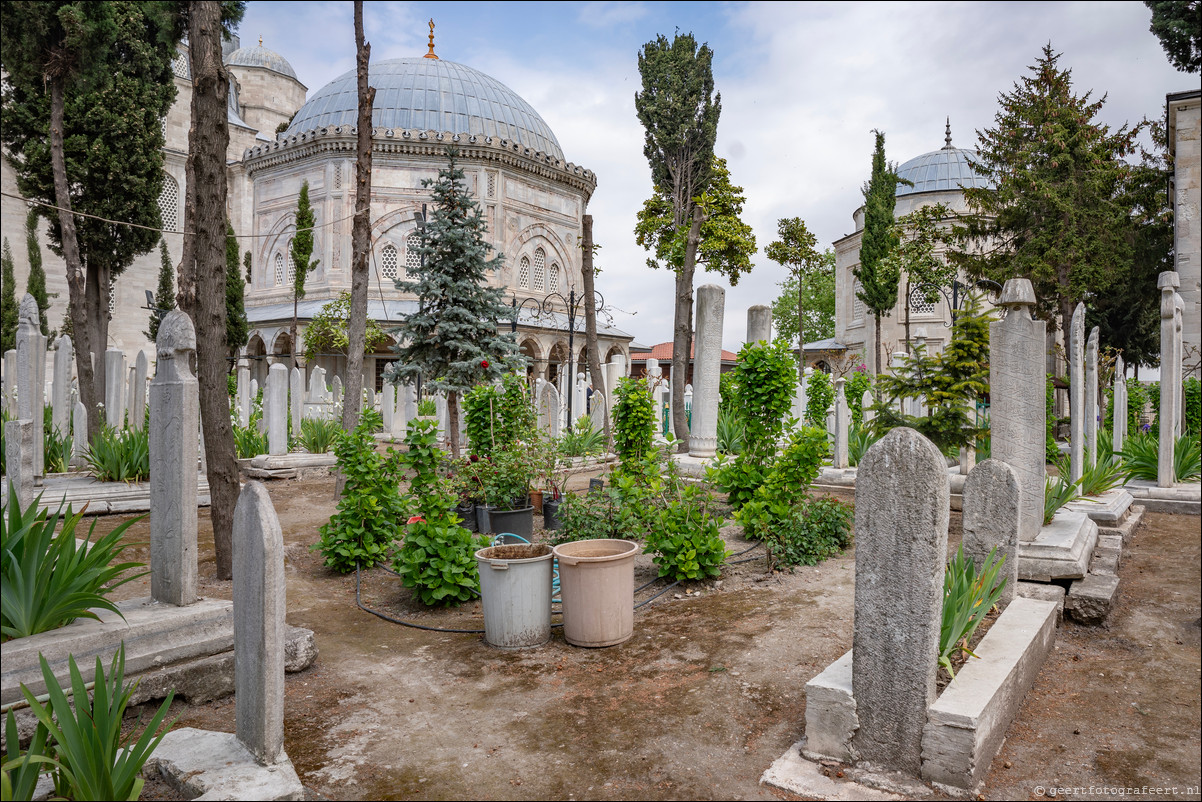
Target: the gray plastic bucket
pixel 515 588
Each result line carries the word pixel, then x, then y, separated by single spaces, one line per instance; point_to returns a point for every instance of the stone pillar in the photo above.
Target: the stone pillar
pixel 296 399
pixel 991 507
pixel 336 393
pixel 129 396
pixel 79 431
pixel 409 400
pixel 259 607
pixel 1016 380
pixel 842 420
pixel 31 383
pixel 703 431
pixel 242 399
pixel 388 407
pixel 801 397
pixel 901 550
pixel 866 403
pixel 18 459
pixel 579 398
pixel 114 387
pixel 1076 380
pixel 174 419
pixel 137 395
pixel 369 397
pixel 10 382
pixel 1170 372
pixel 1091 399
pixel 759 324
pixel 60 393
pixel 275 410
pixel 1118 427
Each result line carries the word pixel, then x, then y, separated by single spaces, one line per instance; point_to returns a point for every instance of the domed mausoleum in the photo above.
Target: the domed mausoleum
pixel 531 197
pixel 940 176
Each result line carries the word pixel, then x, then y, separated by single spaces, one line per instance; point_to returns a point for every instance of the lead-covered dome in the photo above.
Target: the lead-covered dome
pixel 430 94
pixel 261 57
pixel 948 168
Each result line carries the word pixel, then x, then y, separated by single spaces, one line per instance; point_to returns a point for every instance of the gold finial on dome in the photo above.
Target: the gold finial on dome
pixel 431 54
pixel 260 40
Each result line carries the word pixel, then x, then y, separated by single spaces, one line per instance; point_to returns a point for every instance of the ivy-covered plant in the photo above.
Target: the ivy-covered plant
pixel 327 333
pixel 813 531
pixel 857 384
pixel 786 484
pixel 765 380
pixel 497 416
pixel 633 422
pixel 437 559
pixel 1191 391
pixel 371 508
pixel 820 394
pixel 685 538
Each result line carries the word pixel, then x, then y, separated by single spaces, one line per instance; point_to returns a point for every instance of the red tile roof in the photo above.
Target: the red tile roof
pixel 663 352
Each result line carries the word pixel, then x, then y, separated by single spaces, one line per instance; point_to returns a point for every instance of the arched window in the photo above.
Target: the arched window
pixel 169 201
pixel 524 273
pixel 857 305
pixel 540 270
pixel 920 304
pixel 413 259
pixel 553 278
pixel 388 261
pixel 179 65
pixel 279 269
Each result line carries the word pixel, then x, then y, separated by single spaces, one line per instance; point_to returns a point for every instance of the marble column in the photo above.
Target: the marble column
pixel 1170 373
pixel 759 324
pixel 31 382
pixel 703 435
pixel 60 393
pixel 114 387
pixel 1091 399
pixel 1076 380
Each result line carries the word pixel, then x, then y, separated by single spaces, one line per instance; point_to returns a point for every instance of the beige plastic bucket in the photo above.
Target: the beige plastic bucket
pixel 596 581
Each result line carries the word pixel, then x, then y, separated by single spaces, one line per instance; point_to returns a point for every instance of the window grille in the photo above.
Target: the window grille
pixel 388 261
pixel 337 176
pixel 919 303
pixel 413 259
pixel 524 273
pixel 540 270
pixel 169 203
pixel 179 65
pixel 857 304
pixel 553 278
pixel 291 266
pixel 279 269
pixel 112 296
pixel 492 185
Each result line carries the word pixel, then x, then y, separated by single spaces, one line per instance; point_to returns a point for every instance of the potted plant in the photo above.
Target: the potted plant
pixel 507 490
pixel 550 466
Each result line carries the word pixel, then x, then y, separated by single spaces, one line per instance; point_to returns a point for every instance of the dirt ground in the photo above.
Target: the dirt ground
pixel 707 693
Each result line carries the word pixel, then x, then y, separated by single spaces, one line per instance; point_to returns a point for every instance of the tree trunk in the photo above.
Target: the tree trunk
pixel 205 302
pixel 876 336
pixel 682 330
pixel 590 317
pixel 356 329
pixel 76 280
pixel 908 317
pixel 292 329
pixel 98 293
pixel 453 422
pixel 801 332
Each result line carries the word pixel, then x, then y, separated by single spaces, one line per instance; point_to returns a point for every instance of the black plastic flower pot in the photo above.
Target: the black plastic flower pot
pixel 467 512
pixel 551 514
pixel 515 522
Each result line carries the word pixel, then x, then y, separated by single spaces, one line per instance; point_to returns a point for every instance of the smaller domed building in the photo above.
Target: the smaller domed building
pixel 936 177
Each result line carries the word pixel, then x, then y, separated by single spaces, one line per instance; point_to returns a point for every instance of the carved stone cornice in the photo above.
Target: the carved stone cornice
pixel 405 142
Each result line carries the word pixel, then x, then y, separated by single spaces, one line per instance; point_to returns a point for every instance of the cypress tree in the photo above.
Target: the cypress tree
pixel 164 296
pixel 301 250
pixel 879 276
pixel 452 339
pixel 8 301
pixel 237 329
pixel 35 284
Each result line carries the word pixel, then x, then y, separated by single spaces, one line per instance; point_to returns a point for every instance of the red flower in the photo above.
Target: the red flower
pixel 416 519
pixel 483 363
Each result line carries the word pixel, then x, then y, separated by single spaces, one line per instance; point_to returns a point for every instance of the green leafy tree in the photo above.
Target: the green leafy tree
pixel 8 300
pixel 1057 213
pixel 679 112
pixel 164 296
pixel 879 276
pixel 87 86
pixel 237 328
pixel 327 334
pixel 452 339
pixel 1178 26
pixel 810 287
pixel 301 252
pixel 919 236
pixel 35 284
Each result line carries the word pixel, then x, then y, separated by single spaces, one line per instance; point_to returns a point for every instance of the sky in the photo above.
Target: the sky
pixel 802 87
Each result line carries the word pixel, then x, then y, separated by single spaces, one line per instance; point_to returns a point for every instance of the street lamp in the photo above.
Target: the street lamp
pixel 954 301
pixel 546 307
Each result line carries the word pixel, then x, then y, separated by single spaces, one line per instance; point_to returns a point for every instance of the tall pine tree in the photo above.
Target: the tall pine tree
pixel 452 339
pixel 237 329
pixel 8 300
pixel 164 296
pixel 301 251
pixel 878 276
pixel 35 284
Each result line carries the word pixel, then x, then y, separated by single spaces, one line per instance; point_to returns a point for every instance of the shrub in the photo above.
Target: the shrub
pixel 730 430
pixel 437 559
pixel 633 422
pixel 427 408
pixel 859 440
pixel 1141 457
pixel 1191 391
pixel 59 448
pixel 497 416
pixel 856 386
pixel 582 439
pixel 786 484
pixel 119 455
pixel 594 515
pixel 49 580
pixel 318 435
pixel 249 441
pixel 685 538
pixel 1051 451
pixel 1058 491
pixel 370 511
pixel 812 531
pixel 94 761
pixel 820 394
pixel 968 595
pixel 1105 475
